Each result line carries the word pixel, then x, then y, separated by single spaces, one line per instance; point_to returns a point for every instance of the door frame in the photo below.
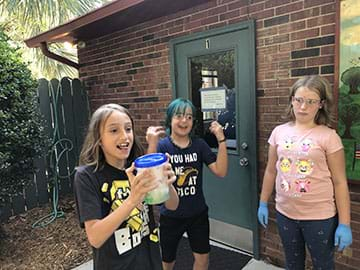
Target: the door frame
pixel 250 26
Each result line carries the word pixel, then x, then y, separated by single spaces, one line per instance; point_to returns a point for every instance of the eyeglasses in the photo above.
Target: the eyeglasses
pixel 310 102
pixel 180 116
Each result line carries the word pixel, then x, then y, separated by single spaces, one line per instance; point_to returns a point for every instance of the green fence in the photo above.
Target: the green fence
pixel 64 105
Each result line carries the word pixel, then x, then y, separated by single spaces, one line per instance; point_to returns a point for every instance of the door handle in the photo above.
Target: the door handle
pixel 244 162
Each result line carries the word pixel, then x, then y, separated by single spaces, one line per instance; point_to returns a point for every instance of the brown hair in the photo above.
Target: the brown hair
pixel 321 86
pixel 91 152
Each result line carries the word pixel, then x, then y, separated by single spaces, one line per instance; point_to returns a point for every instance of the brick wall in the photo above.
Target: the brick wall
pixel 293 38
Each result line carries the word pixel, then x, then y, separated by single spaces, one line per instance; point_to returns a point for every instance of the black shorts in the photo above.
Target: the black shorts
pixel 172 229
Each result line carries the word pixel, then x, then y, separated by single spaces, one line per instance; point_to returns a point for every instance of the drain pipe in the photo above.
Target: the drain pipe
pixel 45 50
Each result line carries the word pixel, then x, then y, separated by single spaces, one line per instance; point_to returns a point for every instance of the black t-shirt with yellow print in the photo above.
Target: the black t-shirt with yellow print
pixel 187 164
pixel 134 245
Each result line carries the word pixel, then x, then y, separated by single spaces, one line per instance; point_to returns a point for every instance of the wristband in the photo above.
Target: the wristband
pixel 223 140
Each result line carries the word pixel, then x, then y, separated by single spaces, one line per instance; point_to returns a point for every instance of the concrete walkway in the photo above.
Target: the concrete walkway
pixel 85 266
pixel 251 265
pixel 260 265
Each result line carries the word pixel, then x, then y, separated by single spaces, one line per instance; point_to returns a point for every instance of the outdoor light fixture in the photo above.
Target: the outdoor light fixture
pixel 68 46
pixel 81 44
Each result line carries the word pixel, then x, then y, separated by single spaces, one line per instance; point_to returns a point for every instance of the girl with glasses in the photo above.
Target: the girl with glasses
pixel 306 163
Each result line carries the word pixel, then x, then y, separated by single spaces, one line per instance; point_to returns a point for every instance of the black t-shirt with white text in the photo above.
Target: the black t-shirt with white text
pixel 188 165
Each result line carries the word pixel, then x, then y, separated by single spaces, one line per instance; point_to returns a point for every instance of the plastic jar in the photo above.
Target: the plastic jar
pixel 155 162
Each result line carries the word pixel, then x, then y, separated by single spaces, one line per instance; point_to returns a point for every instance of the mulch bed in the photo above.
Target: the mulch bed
pixel 63 245
pixel 60 245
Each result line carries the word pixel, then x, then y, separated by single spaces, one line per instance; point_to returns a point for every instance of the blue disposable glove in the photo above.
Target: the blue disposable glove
pixel 263 213
pixel 343 236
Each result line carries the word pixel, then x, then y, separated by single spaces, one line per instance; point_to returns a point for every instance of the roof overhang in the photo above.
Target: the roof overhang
pixel 112 17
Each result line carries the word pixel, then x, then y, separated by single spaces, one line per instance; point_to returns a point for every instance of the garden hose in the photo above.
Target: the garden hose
pixel 59 147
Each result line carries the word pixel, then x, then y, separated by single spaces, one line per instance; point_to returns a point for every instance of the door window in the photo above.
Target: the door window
pixel 216 70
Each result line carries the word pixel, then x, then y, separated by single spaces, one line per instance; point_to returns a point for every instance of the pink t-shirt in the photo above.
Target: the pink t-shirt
pixel 304 188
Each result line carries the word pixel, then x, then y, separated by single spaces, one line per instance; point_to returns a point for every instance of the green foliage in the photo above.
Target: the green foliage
pixel 22 137
pixel 349 147
pixel 222 62
pixel 349 114
pixel 23 19
pixel 351 77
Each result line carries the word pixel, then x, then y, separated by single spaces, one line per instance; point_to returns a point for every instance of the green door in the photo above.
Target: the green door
pixel 216 70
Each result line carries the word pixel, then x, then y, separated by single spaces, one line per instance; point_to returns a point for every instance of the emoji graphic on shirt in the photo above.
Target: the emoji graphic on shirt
pixel 285 164
pixel 304 166
pixel 306 145
pixel 302 185
pixel 285 185
pixel 288 143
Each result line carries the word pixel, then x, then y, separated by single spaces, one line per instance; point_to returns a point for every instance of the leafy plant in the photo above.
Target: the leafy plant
pixel 22 137
pixel 349 114
pixel 351 77
pixel 23 19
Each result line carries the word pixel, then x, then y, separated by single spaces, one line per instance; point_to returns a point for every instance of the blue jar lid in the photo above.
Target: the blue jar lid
pixel 150 160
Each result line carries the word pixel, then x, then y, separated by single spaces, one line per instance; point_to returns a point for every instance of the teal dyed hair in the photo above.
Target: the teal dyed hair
pixel 179 105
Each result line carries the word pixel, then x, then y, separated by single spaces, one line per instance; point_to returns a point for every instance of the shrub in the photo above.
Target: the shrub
pixel 22 137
